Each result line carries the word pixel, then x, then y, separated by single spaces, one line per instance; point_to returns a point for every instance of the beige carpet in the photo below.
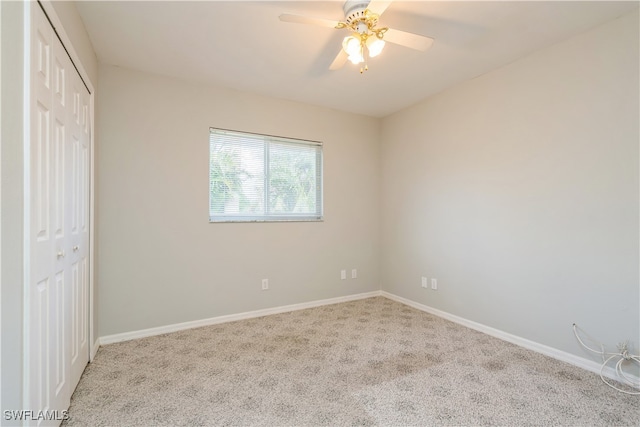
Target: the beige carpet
pixel 368 362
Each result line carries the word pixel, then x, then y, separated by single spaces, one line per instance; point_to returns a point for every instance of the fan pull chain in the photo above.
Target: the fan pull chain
pixel 364 57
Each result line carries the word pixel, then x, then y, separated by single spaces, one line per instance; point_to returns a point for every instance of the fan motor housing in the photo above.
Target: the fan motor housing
pixel 354 10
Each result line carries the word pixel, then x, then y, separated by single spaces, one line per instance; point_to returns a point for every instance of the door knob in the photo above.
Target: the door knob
pixel 75 248
pixel 60 254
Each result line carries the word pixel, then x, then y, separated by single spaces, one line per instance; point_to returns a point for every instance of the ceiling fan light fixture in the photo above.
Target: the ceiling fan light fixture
pixel 375 46
pixel 366 39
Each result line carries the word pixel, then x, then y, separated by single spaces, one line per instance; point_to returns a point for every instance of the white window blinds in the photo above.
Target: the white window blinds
pixel 263 178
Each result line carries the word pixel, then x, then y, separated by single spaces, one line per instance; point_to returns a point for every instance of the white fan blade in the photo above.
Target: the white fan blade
pixel 379 6
pixel 410 40
pixel 340 60
pixel 297 19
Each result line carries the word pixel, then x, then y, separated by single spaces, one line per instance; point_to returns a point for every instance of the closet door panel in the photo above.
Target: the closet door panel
pixel 48 323
pixel 79 230
pixel 59 146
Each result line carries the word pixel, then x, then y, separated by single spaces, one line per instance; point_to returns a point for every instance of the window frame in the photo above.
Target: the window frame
pixel 268 140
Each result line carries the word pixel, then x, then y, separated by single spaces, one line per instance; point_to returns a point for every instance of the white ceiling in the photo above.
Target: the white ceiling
pixel 243 45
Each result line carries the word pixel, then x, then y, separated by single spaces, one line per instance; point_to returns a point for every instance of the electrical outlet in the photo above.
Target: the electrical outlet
pixel 354 273
pixel 434 284
pixel 424 282
pixel 343 274
pixel 265 284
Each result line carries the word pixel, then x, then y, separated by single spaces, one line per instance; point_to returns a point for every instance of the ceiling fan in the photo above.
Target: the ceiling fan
pixel 366 39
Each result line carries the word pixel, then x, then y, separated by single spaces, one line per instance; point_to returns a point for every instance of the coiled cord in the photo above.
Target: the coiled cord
pixel 623 355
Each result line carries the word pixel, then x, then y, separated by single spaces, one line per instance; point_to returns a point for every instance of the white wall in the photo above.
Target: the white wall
pixel 518 191
pixel 12 203
pixel 162 262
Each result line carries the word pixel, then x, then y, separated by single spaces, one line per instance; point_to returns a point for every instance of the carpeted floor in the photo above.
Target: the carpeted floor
pixel 367 362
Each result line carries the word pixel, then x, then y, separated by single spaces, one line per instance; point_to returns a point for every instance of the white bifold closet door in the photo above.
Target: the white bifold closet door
pixel 58 300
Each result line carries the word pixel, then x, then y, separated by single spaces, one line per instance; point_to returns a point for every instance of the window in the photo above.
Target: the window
pixel 263 178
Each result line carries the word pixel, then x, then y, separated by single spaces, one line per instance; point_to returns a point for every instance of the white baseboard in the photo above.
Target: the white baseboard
pixel 126 336
pixel 563 356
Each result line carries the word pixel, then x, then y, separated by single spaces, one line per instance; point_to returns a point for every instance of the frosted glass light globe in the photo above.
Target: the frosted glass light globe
pixel 351 45
pixel 375 46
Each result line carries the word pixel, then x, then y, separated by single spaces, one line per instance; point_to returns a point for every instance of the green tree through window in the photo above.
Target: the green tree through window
pixel 225 176
pixel 263 178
